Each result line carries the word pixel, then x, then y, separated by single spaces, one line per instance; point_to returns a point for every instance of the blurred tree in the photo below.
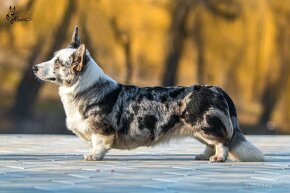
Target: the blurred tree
pixel 240 45
pixel 125 40
pixel 29 88
pixel 274 88
pixel 227 9
pixel 176 38
pixel 87 37
pixel 198 37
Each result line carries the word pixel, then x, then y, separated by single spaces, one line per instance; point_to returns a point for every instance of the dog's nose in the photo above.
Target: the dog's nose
pixel 35 68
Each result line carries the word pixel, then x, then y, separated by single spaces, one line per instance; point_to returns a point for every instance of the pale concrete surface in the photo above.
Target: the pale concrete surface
pixel 51 163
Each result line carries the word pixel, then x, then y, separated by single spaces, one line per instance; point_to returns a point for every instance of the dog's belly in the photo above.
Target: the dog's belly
pixel 126 141
pixel 136 138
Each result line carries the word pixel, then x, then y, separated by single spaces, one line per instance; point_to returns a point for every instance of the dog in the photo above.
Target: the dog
pixel 109 114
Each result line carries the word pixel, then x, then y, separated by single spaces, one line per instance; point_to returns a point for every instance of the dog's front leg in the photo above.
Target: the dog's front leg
pixel 100 146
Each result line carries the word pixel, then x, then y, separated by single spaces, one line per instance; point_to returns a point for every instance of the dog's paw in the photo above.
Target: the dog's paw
pixel 93 157
pixel 217 158
pixel 201 157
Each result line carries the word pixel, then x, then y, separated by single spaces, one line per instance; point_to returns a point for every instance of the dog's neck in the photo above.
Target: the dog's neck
pixel 92 74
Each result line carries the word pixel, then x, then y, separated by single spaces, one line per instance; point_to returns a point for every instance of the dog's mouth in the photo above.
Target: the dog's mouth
pixel 51 79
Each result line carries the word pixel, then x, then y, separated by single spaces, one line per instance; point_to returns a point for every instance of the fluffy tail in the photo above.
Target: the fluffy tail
pixel 241 149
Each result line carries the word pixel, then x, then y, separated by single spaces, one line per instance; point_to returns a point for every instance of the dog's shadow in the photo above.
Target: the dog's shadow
pixel 112 157
pixel 185 157
pixel 151 157
pixel 118 157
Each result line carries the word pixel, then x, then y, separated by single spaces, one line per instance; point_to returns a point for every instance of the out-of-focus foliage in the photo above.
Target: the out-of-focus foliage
pixel 239 45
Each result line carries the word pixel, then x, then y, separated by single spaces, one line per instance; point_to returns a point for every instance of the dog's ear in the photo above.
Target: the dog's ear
pixel 75 40
pixel 79 58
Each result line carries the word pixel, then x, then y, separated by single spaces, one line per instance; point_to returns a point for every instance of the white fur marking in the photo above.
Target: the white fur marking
pixel 246 152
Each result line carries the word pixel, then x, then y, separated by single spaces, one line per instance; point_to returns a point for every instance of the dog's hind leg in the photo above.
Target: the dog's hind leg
pixel 215 132
pixel 215 151
pixel 100 146
pixel 207 153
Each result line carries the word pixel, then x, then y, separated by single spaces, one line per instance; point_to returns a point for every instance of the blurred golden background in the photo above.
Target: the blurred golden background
pixel 239 45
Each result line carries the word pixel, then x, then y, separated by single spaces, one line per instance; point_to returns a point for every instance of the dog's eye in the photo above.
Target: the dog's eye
pixel 57 63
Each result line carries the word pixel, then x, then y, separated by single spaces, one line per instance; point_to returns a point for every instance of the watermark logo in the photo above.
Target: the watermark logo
pixel 12 17
pixel 265 186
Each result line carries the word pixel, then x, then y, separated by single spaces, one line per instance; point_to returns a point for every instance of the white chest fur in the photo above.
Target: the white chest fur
pixel 74 120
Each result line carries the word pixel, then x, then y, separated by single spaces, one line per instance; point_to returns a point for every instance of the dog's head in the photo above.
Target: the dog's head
pixel 66 66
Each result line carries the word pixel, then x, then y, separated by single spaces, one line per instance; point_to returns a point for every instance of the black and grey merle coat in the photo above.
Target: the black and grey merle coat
pixel 112 115
pixel 145 116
